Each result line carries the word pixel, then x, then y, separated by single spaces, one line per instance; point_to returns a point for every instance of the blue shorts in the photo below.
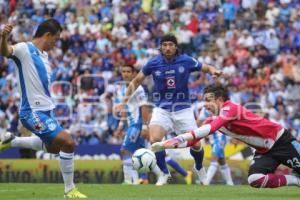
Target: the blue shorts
pixel 41 123
pixel 133 140
pixel 218 150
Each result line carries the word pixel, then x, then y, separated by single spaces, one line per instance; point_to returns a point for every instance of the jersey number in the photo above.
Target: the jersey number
pixel 294 162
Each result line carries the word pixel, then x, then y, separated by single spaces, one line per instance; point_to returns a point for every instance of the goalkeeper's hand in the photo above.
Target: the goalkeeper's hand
pixel 167 144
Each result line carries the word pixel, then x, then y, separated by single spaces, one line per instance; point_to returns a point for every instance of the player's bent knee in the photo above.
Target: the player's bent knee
pixel 155 138
pixel 68 146
pixel 256 180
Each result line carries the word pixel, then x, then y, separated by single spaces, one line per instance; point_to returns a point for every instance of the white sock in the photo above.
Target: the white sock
pixel 156 170
pixel 32 142
pixel 67 169
pixel 211 171
pixel 127 168
pixel 226 174
pixel 292 180
pixel 135 177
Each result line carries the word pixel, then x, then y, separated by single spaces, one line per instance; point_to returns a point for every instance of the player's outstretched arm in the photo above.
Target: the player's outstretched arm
pixel 183 140
pixel 211 70
pixel 5 49
pixel 133 85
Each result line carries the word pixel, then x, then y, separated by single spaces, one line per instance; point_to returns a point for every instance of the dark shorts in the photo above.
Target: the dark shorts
pixel 286 151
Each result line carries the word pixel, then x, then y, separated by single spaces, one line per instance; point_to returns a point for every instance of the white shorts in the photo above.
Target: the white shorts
pixel 180 121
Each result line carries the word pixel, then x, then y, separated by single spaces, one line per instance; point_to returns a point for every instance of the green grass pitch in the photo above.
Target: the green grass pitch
pixel 147 192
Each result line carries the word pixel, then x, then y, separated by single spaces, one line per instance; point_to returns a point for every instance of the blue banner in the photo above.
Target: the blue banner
pixel 99 151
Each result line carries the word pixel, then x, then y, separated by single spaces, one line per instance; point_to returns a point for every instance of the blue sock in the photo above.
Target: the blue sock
pixel 175 165
pixel 198 157
pixel 161 161
pixel 144 176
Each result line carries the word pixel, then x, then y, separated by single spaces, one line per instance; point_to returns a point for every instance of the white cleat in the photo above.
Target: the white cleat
pixel 6 137
pixel 230 183
pixel 202 176
pixel 163 179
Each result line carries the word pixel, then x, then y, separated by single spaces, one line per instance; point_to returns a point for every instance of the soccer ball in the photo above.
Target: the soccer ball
pixel 143 160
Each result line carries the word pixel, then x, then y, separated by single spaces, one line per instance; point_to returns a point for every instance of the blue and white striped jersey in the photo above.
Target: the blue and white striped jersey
pixel 137 99
pixel 34 73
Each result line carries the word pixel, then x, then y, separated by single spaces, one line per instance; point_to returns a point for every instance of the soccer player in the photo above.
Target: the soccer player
pixel 274 145
pixel 137 117
pixel 36 109
pixel 170 71
pixel 218 142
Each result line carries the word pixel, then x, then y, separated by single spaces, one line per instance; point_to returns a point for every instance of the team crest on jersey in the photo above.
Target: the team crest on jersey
pixel 38 124
pixel 171 82
pixel 225 111
pixel 181 69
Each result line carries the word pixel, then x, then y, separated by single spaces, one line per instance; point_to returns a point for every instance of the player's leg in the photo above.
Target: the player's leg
pixel 285 151
pixel 159 126
pixel 178 168
pixel 130 175
pixel 9 140
pixel 132 142
pixel 184 121
pixel 157 133
pixel 197 153
pixel 224 168
pixel 261 173
pixel 56 140
pixel 225 171
pixel 212 169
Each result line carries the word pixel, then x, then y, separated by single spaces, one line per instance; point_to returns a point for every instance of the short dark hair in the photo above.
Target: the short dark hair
pixel 218 91
pixel 50 25
pixel 168 38
pixel 133 69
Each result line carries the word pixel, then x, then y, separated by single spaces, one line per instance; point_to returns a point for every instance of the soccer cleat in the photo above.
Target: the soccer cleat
pixel 202 176
pixel 5 146
pixel 162 179
pixel 74 194
pixel 5 140
pixel 6 137
pixel 230 183
pixel 144 181
pixel 189 178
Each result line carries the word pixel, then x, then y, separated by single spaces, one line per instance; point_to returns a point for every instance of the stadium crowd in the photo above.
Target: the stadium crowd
pixel 255 43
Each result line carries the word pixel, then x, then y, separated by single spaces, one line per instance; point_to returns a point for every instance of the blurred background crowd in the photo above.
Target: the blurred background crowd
pixel 256 43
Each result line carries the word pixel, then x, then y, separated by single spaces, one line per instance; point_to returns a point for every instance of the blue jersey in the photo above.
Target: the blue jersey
pixel 171 80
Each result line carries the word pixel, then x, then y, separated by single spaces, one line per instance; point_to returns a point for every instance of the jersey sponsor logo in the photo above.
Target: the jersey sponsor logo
pixel 157 73
pixel 181 69
pixel 171 82
pixel 170 71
